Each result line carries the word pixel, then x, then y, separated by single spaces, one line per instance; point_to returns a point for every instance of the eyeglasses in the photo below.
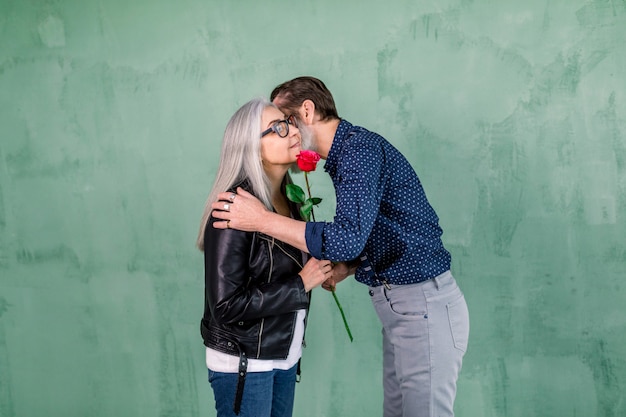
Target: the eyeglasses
pixel 281 127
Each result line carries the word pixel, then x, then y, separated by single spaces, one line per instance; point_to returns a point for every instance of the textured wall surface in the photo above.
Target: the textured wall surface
pixel 512 112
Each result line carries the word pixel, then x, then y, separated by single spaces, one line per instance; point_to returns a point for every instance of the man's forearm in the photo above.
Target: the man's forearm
pixel 284 228
pixel 243 211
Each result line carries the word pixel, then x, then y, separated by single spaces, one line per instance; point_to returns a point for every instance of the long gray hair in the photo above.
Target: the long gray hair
pixel 240 159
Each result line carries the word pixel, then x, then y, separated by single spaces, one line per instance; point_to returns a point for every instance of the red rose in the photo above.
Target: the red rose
pixel 307 160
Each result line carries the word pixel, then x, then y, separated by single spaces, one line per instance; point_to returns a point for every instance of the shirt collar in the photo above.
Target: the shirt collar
pixel 341 135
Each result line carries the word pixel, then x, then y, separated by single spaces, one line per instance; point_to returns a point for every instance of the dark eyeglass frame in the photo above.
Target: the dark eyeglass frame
pixel 290 120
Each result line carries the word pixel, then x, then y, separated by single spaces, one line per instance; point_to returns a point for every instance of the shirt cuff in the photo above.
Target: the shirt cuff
pixel 313 236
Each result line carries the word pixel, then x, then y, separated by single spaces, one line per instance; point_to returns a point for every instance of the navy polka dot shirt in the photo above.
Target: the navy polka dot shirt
pixel 382 213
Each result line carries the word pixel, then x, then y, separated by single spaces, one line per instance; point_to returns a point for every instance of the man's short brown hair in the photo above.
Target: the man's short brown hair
pixel 293 93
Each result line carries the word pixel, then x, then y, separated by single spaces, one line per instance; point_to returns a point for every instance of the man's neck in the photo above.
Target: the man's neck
pixel 324 136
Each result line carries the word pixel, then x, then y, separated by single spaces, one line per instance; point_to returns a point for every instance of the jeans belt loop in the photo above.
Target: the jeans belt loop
pixel 437 283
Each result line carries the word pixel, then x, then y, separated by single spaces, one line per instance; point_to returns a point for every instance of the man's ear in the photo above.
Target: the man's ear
pixel 307 111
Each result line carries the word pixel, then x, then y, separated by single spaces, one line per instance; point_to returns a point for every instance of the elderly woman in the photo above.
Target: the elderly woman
pixel 256 287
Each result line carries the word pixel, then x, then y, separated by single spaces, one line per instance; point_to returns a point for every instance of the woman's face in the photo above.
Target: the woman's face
pixel 274 149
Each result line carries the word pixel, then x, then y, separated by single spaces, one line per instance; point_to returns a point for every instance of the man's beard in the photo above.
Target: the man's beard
pixel 306 135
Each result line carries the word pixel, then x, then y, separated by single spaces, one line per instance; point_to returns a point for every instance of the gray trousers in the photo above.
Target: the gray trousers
pixel 425 334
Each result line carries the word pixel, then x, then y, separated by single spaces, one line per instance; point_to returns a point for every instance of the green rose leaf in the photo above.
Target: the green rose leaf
pixel 295 193
pixel 306 209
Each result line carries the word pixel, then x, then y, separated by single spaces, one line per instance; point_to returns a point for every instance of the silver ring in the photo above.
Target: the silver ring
pixel 226 207
pixel 232 197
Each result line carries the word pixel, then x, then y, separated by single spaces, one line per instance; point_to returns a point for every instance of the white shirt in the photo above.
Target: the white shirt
pixel 222 362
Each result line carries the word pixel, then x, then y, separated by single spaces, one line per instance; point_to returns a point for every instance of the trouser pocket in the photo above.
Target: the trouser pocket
pixel 458 317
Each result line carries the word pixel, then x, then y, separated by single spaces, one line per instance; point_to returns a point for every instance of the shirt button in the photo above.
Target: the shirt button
pixel 371 293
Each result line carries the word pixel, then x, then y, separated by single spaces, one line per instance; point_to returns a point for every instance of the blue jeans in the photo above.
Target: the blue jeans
pixel 265 394
pixel 425 335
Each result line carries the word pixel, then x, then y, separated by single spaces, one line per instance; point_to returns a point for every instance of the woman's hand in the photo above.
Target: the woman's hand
pixel 315 272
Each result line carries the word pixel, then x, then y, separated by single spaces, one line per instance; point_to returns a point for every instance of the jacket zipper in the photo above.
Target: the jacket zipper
pixel 269 279
pixel 270 245
pixel 301 265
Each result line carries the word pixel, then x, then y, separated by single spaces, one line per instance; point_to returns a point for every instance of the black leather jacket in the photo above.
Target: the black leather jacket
pixel 252 293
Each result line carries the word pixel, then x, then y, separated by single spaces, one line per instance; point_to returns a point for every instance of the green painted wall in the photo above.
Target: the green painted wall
pixel 111 114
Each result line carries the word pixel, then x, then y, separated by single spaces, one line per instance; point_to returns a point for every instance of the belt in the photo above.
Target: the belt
pixel 241 380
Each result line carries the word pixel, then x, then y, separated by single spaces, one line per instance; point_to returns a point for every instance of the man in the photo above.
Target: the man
pixel 384 227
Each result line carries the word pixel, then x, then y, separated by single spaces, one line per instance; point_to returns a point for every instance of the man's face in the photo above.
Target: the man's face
pixel 308 137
